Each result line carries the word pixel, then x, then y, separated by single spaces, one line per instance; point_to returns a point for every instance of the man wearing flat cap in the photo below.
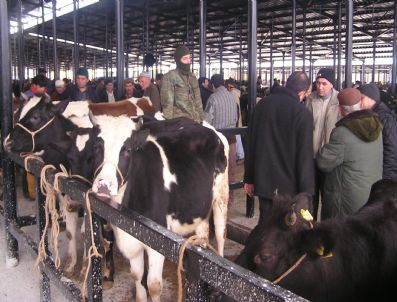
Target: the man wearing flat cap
pixel 352 159
pixel 180 92
pixel 323 103
pixel 82 92
pixel 149 89
pixel 370 99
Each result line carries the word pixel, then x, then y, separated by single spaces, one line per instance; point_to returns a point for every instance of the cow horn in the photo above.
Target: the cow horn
pixel 290 218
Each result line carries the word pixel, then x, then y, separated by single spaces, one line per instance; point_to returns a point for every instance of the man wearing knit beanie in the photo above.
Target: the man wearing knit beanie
pixel 82 91
pixel 180 92
pixel 352 159
pixel 370 99
pixel 323 103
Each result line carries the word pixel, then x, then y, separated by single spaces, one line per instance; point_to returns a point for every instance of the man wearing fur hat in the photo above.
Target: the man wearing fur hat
pixel 180 92
pixel 370 99
pixel 323 103
pixel 352 159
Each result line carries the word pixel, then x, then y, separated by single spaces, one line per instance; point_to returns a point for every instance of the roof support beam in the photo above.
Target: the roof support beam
pixel 202 43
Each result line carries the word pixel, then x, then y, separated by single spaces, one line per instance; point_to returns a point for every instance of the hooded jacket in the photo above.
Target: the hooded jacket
pixel 352 161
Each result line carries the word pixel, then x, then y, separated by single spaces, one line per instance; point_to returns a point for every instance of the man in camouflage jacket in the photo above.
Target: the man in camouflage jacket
pixel 180 93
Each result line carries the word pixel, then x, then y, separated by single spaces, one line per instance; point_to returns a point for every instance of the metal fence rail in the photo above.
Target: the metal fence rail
pixel 203 269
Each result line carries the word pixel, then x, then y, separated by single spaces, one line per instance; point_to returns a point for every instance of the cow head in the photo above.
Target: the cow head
pixel 271 247
pixel 112 150
pixel 36 126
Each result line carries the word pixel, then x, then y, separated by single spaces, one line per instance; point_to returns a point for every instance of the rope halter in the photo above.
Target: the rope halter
pixel 33 133
pixel 117 169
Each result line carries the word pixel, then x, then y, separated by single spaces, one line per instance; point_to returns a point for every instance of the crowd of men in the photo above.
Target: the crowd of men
pixel 333 145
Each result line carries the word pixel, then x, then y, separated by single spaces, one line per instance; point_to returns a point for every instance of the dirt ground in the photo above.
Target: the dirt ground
pixel 21 283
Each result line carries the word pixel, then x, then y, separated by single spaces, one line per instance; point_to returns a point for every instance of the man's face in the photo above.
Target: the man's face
pixel 81 81
pixel 109 87
pixel 60 90
pixel 205 83
pixel 323 86
pixel 129 88
pixel 186 59
pixel 144 82
pixel 38 90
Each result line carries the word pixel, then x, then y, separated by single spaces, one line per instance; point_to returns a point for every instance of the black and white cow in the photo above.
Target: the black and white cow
pixel 173 172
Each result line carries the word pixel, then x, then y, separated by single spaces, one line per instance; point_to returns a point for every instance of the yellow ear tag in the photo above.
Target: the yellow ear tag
pixel 320 252
pixel 306 215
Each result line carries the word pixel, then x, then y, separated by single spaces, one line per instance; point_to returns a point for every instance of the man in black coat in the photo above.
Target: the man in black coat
pixel 280 144
pixel 370 99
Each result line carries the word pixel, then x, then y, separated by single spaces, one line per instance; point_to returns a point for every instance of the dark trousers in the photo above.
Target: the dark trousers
pixel 320 178
pixel 265 205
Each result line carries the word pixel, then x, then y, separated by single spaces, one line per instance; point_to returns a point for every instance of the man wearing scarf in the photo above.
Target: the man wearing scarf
pixel 180 92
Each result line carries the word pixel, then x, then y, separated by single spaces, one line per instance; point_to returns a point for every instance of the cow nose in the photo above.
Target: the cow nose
pixel 104 190
pixel 102 187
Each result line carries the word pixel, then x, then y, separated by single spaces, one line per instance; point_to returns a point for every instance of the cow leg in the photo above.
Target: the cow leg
pixel 70 213
pixel 137 267
pixel 108 240
pixel 219 208
pixel 155 274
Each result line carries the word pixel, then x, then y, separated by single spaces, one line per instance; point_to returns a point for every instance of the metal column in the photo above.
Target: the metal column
pixel 252 52
pixel 54 30
pixel 106 43
pixel 21 46
pixel 293 46
pixel 339 71
pixel 120 44
pixel 311 62
pixel 9 195
pixel 373 58
pixel 202 42
pixel 241 54
pixel 271 55
pixel 38 43
pixel 304 40
pixel 43 37
pixel 394 66
pixel 76 62
pixel 221 55
pixel 349 43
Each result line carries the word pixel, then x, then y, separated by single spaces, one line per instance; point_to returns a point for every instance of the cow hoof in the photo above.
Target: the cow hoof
pixel 107 284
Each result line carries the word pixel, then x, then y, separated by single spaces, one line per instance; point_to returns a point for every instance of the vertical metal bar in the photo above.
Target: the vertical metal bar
pixel 241 54
pixel 252 52
pixel 85 42
pixel 106 42
pixel 54 29
pixel 120 43
pixel 45 289
pixel 271 54
pixel 202 42
pixel 38 43
pixel 94 287
pixel 373 58
pixel 260 59
pixel 283 75
pixel 349 43
pixel 293 46
pixel 304 40
pixel 311 62
pixel 196 290
pixel 221 55
pixel 76 62
pixel 9 195
pixel 21 46
pixel 43 36
pixel 339 72
pixel 334 46
pixel 363 72
pixel 394 66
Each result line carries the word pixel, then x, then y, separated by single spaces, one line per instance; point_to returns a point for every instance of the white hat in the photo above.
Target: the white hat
pixel 145 74
pixel 59 83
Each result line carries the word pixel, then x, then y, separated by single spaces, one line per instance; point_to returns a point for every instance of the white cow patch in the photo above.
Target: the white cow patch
pixel 168 177
pixel 81 140
pixel 182 229
pixel 29 105
pixel 78 114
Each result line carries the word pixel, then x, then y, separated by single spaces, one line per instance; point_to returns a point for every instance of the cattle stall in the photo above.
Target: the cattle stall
pixel 204 270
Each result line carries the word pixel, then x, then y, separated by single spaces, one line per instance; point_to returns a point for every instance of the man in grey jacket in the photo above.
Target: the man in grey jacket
pixel 323 103
pixel 352 160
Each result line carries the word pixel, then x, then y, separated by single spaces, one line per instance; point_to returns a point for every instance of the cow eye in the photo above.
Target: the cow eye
pixel 35 118
pixel 264 259
pixel 127 151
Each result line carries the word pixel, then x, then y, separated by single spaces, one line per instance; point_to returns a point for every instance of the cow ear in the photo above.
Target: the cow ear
pixel 318 242
pixel 303 201
pixel 138 138
pixel 58 108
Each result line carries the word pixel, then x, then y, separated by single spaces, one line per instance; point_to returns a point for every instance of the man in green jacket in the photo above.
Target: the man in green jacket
pixel 352 159
pixel 180 92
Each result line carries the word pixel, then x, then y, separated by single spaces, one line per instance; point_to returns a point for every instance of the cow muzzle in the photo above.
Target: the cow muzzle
pixel 106 182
